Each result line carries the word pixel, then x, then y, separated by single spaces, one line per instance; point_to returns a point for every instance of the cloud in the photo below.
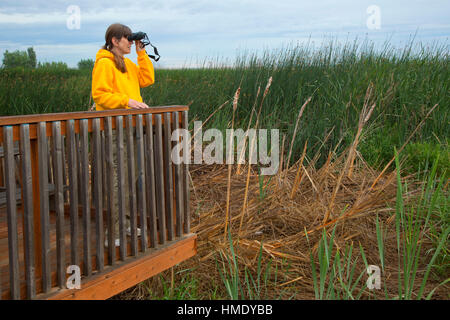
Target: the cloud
pixel 186 29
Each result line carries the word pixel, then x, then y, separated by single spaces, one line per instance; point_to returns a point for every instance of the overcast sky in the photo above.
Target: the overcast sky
pixel 186 32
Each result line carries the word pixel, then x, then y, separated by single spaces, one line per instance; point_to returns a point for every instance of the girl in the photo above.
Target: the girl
pixel 116 83
pixel 116 80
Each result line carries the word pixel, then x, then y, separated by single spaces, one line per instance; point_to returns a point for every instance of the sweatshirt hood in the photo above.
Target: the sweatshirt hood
pixel 102 53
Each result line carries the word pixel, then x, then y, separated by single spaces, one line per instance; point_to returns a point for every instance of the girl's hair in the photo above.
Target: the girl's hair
pixel 117 31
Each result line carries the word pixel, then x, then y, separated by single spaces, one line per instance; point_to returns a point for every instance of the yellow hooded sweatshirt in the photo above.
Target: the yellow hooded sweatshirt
pixel 111 89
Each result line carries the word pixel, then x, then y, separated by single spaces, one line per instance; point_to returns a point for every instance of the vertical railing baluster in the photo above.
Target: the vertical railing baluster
pixel 64 172
pixel 178 180
pixel 150 176
pixel 97 195
pixel 85 203
pixel 141 186
pixel 73 190
pixel 28 213
pixel 131 184
pixel 159 170
pixel 59 202
pixel 11 209
pixel 121 187
pixel 78 157
pixel 110 208
pixel 50 163
pixel 103 163
pixel 168 192
pixel 186 218
pixel 44 209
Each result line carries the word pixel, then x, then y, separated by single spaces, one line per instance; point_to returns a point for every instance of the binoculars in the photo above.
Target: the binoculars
pixel 137 36
pixel 142 36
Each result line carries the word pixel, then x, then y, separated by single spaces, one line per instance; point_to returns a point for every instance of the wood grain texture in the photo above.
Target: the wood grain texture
pixel 187 216
pixel 32 120
pixel 57 152
pixel 110 208
pixel 159 181
pixel 150 177
pixel 35 118
pixel 121 186
pixel 27 197
pixel 131 184
pixel 11 212
pixel 73 191
pixel 179 202
pixel 85 200
pixel 168 190
pixel 44 205
pixel 97 194
pixel 140 182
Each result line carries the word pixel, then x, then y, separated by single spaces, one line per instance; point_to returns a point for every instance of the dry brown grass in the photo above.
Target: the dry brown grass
pixel 344 193
pixel 279 221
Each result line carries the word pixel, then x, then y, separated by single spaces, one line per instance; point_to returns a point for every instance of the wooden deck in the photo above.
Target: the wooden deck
pixel 142 267
pixel 58 175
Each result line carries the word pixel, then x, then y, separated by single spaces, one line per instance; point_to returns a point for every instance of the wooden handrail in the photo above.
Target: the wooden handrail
pixel 34 118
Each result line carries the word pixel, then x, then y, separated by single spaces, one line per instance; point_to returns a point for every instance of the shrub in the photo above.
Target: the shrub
pixel 422 155
pixel 17 59
pixel 53 65
pixel 86 64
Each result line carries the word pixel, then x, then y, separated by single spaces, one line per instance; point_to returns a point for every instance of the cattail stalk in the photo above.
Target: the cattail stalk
pixel 231 153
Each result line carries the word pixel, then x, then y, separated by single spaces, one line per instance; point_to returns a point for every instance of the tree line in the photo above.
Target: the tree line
pixel 27 60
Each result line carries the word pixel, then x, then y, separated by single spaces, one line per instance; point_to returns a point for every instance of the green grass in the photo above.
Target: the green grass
pixel 186 287
pixel 334 271
pixel 253 285
pixel 337 277
pixel 412 222
pixel 406 86
pixel 420 157
pixel 230 275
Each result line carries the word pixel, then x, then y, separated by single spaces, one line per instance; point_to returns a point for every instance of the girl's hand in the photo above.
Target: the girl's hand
pixel 133 104
pixel 139 46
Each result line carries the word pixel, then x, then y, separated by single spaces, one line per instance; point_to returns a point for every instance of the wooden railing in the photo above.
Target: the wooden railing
pixel 59 179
